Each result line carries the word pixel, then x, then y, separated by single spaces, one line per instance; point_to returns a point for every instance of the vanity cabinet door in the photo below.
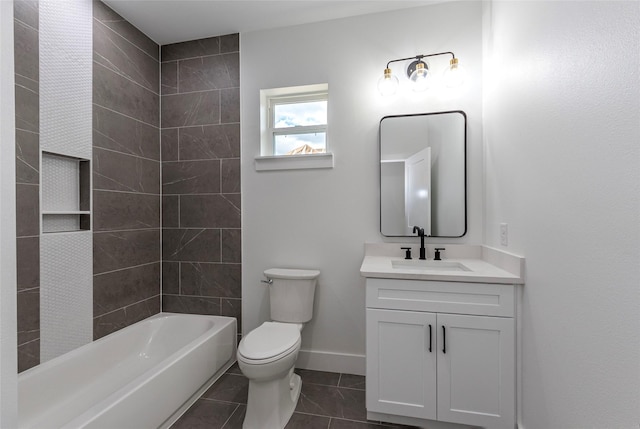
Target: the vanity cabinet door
pixel 476 370
pixel 401 369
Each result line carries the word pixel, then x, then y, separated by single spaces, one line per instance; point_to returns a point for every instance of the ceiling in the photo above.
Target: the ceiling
pixel 171 21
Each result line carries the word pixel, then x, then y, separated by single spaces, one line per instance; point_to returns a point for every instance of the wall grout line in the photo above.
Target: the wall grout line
pixel 124 76
pixel 125 268
pixel 125 115
pixel 133 155
pixel 126 39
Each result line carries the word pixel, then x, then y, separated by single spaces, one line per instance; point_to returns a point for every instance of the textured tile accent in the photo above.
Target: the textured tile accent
pixel 191 177
pixel 66 292
pixel 117 132
pixel 191 245
pixel 197 108
pixel 123 317
pixel 120 94
pixel 190 49
pixel 120 172
pixel 115 22
pixel 210 142
pixel 66 78
pixel 118 250
pixel 118 289
pixel 202 279
pixel 123 57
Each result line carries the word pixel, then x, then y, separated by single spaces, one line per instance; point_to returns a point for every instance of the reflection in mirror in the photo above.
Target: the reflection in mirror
pixel 423 174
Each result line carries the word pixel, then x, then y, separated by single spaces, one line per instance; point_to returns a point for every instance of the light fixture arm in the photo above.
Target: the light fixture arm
pixel 420 57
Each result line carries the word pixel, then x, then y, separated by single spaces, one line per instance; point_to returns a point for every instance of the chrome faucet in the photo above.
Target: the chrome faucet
pixel 420 232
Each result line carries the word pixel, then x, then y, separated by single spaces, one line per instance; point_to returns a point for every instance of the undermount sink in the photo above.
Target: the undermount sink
pixel 417 264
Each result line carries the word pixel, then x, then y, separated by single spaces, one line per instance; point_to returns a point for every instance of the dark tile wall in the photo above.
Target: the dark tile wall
pixel 126 173
pixel 200 120
pixel 26 36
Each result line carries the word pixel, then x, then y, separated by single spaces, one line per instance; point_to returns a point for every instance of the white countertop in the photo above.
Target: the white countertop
pixel 486 264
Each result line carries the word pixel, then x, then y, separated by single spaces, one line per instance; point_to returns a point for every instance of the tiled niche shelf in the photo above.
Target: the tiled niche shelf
pixel 66 196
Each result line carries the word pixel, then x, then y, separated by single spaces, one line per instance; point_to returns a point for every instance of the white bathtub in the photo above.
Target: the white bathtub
pixel 141 377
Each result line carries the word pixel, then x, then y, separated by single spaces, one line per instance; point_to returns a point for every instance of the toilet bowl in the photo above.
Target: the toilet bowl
pixel 267 355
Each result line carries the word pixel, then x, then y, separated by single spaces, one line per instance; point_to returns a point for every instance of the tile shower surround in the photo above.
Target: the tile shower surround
pixel 126 173
pixel 200 158
pixel 27 115
pixel 200 120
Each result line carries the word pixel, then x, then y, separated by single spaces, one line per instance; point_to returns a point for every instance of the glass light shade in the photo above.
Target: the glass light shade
pixel 420 78
pixel 454 75
pixel 388 83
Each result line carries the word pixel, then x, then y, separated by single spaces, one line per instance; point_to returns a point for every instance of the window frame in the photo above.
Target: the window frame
pixel 306 97
pixel 267 161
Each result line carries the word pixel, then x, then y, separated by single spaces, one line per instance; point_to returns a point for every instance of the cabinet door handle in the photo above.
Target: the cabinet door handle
pixel 430 340
pixel 444 340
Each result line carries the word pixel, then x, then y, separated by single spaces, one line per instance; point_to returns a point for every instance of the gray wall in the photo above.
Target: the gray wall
pixel 201 176
pixel 126 173
pixel 27 181
pixel 201 167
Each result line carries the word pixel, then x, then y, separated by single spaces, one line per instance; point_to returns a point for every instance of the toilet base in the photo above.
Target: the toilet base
pixel 271 403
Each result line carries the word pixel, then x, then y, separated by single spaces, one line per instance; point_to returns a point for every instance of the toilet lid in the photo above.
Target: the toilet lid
pixel 269 340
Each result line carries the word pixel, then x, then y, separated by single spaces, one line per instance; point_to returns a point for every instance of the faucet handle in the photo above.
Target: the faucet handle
pixel 436 257
pixel 408 252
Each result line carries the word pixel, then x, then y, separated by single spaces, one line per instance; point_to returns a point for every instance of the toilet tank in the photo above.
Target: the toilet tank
pixel 291 294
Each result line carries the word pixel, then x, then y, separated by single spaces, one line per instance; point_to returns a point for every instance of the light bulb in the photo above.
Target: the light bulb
pixel 388 83
pixel 454 74
pixel 420 77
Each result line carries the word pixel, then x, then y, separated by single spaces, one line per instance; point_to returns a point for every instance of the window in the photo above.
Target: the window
pixel 298 124
pixel 294 124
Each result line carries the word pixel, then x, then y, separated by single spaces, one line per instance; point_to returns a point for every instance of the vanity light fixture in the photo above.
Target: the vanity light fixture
pixel 419 74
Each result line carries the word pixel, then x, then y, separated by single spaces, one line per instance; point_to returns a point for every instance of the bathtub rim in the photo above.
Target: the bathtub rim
pixel 168 360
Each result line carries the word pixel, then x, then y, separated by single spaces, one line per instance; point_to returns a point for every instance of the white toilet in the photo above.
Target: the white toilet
pixel 267 355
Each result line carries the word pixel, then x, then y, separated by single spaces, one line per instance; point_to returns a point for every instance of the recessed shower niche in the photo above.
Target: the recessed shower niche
pixel 66 193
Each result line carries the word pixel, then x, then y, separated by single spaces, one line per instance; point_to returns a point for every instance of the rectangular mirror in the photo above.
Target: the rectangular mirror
pixel 423 177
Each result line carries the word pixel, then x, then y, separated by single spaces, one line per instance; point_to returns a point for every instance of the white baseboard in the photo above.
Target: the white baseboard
pixel 332 362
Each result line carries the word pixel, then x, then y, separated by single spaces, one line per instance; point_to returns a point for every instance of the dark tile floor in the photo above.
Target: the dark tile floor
pixel 328 401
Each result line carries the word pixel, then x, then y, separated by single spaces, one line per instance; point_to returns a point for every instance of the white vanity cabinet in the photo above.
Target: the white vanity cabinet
pixel 441 351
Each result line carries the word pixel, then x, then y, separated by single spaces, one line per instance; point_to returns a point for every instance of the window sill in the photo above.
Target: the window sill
pixel 294 162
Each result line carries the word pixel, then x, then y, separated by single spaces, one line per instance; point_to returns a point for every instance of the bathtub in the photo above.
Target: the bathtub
pixel 143 376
